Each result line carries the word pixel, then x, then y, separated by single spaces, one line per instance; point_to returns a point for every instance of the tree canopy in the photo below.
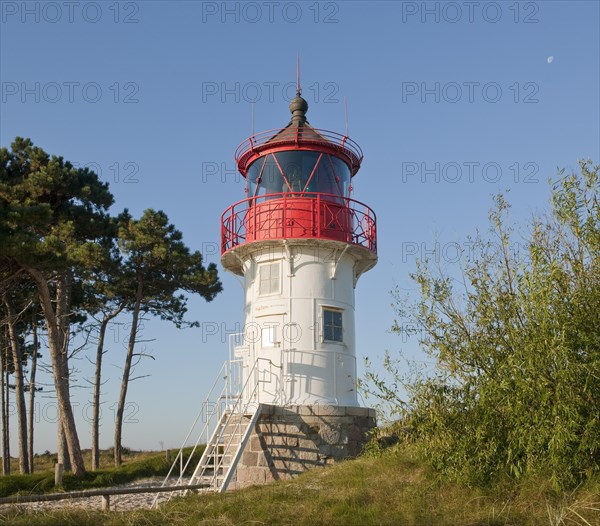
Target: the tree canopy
pixel 58 238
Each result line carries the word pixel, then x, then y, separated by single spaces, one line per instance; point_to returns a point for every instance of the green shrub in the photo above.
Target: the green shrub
pixel 516 341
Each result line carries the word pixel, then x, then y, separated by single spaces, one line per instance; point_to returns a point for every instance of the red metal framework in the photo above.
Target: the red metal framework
pixel 301 138
pixel 298 216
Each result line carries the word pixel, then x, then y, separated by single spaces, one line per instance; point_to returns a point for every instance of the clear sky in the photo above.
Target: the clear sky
pixel 450 101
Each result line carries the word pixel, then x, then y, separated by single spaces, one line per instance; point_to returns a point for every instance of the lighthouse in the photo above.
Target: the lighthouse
pixel 300 242
pixel 285 401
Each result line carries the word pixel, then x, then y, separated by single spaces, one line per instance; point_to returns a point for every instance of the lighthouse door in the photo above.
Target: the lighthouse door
pixel 270 347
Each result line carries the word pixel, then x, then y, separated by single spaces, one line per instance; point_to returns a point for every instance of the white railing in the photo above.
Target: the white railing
pixel 208 417
pixel 227 436
pixel 234 393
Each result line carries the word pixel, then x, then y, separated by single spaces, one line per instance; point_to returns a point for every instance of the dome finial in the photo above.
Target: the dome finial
pixel 298 106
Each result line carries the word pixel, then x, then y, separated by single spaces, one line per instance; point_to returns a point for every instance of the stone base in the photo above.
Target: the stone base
pixel 289 440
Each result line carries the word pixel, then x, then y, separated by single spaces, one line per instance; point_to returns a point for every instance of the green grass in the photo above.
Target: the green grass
pixel 393 489
pixel 136 466
pixel 47 460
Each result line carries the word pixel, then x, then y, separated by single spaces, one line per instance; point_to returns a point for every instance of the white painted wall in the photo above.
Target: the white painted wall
pixel 284 330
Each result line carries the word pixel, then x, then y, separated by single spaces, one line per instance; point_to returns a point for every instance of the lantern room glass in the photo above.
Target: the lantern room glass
pixel 297 172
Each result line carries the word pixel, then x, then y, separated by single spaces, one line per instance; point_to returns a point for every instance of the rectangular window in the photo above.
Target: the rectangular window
pixel 268 337
pixel 332 325
pixel 269 279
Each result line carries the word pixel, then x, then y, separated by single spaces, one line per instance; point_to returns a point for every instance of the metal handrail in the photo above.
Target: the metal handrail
pixel 242 411
pixel 237 404
pixel 208 410
pixel 299 135
pixel 361 231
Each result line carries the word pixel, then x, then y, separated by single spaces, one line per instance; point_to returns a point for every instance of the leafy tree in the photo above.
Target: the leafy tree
pixel 517 346
pixel 159 267
pixel 54 226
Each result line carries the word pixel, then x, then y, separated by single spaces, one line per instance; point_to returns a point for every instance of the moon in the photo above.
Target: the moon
pixel 550 59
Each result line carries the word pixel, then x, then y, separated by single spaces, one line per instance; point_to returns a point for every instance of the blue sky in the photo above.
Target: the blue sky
pixel 451 102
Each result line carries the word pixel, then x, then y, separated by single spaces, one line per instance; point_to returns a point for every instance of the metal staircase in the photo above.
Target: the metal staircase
pixel 224 423
pixel 222 453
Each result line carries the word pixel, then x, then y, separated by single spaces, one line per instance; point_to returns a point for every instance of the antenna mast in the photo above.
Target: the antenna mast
pixel 298 88
pixel 346 111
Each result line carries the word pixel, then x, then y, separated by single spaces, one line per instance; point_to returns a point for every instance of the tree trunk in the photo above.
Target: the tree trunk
pixel 62 456
pixel 7 415
pixel 126 371
pixel 2 408
pixel 19 386
pixel 62 447
pixel 97 387
pixel 32 390
pixel 4 395
pixel 57 341
pixel 96 401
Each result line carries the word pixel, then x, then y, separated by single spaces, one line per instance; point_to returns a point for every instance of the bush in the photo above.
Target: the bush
pixel 517 383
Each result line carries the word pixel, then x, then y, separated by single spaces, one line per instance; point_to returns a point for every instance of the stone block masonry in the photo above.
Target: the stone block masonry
pixel 289 440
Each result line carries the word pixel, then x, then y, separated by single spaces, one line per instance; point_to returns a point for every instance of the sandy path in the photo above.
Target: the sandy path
pixel 117 502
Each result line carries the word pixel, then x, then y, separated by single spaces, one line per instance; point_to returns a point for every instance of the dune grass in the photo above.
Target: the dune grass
pixel 393 489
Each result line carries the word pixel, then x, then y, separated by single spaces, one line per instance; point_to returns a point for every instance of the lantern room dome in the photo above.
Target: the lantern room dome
pixel 298 188
pixel 298 136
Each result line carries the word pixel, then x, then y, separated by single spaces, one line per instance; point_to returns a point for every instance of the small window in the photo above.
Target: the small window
pixel 269 279
pixel 268 337
pixel 332 325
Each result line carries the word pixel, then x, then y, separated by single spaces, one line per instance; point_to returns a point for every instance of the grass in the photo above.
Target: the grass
pixel 136 465
pixel 47 460
pixel 393 489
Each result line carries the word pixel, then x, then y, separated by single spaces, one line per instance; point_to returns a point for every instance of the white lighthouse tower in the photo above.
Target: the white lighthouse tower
pixel 301 243
pixel 288 398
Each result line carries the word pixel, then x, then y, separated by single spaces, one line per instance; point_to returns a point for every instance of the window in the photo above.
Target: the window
pixel 268 279
pixel 298 171
pixel 268 337
pixel 332 325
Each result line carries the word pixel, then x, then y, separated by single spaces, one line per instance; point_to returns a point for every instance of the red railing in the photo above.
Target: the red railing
pixel 300 136
pixel 298 216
